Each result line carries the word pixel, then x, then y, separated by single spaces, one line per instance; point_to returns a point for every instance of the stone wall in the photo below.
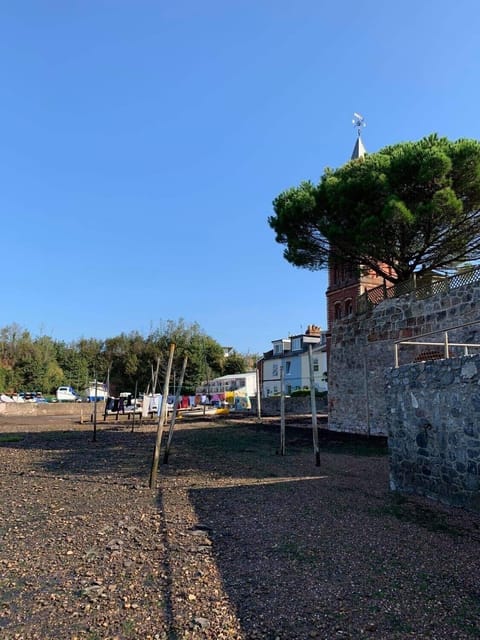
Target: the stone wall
pixel 362 350
pixel 434 430
pixel 49 408
pixel 293 406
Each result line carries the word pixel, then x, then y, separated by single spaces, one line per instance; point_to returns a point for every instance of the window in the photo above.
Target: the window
pixel 287 367
pixel 275 370
pixel 338 310
pixel 348 307
pixel 296 344
pixel 277 348
pixel 315 364
pixel 289 389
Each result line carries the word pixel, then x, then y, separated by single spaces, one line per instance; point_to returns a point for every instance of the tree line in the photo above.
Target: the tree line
pixel 43 363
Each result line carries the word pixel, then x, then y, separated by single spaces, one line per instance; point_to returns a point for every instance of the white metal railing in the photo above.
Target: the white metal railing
pixel 446 344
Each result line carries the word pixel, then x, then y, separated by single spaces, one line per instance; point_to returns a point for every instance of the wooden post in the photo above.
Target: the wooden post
pixel 134 405
pixel 95 411
pixel 316 448
pixel 174 412
pixel 161 417
pixel 282 411
pixel 155 377
pixel 367 393
pixel 259 408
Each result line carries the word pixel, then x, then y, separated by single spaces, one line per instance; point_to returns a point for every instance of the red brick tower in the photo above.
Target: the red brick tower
pixel 347 282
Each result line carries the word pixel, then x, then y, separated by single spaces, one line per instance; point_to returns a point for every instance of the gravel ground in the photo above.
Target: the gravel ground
pixel 236 541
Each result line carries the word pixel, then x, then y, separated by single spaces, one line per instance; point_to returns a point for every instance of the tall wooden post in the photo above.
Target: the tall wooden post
pixel 316 448
pixel 174 412
pixel 163 407
pixel 282 411
pixel 95 411
pixel 259 408
pixel 134 405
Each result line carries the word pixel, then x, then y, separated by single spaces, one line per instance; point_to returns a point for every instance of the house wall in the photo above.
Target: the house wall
pixel 299 375
pixel 319 382
pixel 362 350
pixel 294 378
pixel 271 381
pixel 434 429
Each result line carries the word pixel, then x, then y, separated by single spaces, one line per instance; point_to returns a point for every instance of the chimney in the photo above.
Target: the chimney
pixel 313 330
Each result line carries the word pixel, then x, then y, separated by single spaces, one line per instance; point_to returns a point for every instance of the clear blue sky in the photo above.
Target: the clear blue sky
pixel 143 143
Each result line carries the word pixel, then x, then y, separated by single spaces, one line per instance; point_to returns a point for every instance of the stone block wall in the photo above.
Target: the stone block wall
pixel 49 408
pixel 362 349
pixel 293 406
pixel 434 430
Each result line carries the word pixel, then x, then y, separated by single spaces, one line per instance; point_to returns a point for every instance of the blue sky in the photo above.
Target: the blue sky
pixel 143 143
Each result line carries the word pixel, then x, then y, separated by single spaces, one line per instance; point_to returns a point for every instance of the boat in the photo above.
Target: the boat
pixel 67 394
pixel 96 390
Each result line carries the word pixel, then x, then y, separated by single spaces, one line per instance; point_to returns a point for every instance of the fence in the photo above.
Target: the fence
pixel 424 287
pixel 445 345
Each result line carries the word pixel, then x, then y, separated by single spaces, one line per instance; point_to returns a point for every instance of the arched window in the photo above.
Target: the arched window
pixel 338 310
pixel 348 307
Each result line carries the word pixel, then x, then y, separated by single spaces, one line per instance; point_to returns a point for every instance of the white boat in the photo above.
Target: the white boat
pixel 96 390
pixel 67 394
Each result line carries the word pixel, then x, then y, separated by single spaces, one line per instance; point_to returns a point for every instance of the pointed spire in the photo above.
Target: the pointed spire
pixel 358 150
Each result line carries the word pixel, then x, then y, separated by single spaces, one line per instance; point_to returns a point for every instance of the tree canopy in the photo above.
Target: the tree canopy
pixel 42 364
pixel 409 208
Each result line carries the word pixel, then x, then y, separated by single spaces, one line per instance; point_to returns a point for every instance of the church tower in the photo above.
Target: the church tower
pixel 346 282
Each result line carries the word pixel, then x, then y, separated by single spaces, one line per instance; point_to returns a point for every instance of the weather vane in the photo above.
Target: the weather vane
pixel 358 122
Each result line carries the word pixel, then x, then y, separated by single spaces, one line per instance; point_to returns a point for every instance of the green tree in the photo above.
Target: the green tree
pixel 235 363
pixel 411 207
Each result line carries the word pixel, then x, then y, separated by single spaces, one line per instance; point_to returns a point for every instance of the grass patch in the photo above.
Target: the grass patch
pixel 465 618
pixel 295 551
pixel 405 510
pixel 7 437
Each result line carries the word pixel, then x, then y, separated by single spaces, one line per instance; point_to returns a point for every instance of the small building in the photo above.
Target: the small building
pixel 227 388
pixel 293 355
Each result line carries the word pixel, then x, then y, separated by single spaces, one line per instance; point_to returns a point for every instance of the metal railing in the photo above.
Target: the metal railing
pixel 424 287
pixel 445 353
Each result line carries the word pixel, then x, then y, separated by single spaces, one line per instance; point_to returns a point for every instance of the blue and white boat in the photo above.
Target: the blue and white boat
pixel 96 390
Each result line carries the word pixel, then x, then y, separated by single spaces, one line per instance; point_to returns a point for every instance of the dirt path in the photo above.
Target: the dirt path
pixel 236 542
